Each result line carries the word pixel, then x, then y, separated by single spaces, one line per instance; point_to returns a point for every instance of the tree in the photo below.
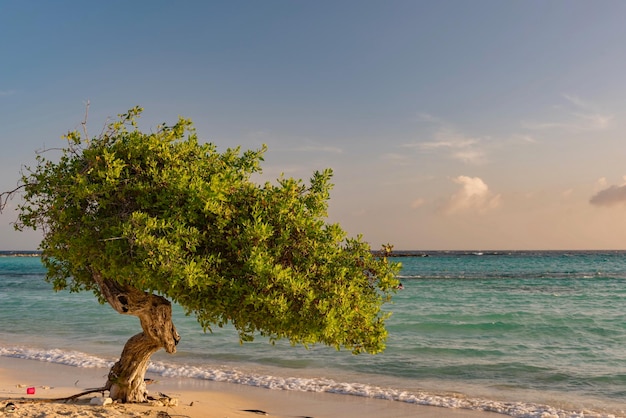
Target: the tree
pixel 142 219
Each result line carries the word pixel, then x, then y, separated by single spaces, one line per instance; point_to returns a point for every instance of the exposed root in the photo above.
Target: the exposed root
pixel 66 399
pixel 160 400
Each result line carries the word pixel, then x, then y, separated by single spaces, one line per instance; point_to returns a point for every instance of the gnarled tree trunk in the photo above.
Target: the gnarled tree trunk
pixel 126 378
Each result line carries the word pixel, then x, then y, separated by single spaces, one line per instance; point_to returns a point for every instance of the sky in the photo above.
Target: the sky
pixel 449 125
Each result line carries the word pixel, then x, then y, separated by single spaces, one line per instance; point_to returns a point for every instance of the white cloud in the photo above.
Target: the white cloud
pixel 577 101
pixel 474 196
pixel 470 156
pixel 524 139
pixel 396 159
pixel 468 149
pixel 580 115
pixel 544 126
pixel 320 148
pixel 427 117
pixel 6 93
pixel 419 202
pixel 457 145
pixel 594 121
pixel 448 138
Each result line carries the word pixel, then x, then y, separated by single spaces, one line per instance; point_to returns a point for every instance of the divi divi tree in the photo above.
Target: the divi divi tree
pixel 146 219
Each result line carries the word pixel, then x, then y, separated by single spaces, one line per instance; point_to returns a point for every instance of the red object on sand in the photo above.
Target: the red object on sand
pixel 30 391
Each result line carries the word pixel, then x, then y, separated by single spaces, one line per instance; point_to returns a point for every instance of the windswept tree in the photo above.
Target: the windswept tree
pixel 146 219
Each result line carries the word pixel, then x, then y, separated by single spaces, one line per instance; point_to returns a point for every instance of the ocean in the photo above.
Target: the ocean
pixel 526 334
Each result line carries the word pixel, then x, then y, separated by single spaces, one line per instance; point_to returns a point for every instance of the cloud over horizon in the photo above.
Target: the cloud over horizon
pixel 611 196
pixel 330 149
pixel 580 115
pixel 417 203
pixel 473 196
pixel 458 146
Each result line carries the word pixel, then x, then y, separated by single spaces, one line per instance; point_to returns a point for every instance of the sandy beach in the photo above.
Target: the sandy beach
pixel 195 398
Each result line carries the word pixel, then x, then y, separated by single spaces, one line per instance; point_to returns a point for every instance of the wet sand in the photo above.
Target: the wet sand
pixel 195 398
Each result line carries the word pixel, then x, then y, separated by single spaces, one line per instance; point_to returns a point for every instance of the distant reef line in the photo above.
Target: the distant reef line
pixel 20 253
pixel 403 253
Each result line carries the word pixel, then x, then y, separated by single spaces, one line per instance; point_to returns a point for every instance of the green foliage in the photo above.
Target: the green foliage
pixel 166 214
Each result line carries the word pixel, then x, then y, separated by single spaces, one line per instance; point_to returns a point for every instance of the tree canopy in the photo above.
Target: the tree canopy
pixel 168 215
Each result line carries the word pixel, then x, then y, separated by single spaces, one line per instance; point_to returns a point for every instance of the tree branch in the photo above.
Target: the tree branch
pixel 6 196
pixel 84 122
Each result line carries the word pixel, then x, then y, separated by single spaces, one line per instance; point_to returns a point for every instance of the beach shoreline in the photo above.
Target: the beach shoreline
pixel 550 347
pixel 196 398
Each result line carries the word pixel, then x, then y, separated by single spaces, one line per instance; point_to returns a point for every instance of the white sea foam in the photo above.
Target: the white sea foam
pixel 68 358
pixel 320 385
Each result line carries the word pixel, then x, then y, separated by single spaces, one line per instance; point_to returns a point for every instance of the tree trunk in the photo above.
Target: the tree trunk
pixel 126 378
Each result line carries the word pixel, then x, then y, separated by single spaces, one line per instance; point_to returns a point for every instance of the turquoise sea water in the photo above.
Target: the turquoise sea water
pixel 527 334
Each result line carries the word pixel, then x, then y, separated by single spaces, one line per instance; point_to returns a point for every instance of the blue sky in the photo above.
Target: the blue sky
pixel 448 124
